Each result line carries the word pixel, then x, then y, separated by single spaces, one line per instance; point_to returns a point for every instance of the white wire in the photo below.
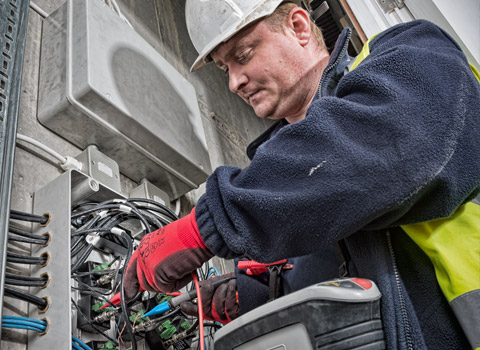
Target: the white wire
pixel 177 207
pixel 42 146
pixel 117 9
pixel 38 9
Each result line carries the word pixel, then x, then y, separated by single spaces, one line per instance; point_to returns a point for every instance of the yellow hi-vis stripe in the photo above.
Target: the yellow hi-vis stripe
pixel 475 72
pixel 453 246
pixel 364 53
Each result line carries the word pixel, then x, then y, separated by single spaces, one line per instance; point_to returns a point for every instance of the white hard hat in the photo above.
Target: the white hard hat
pixel 212 22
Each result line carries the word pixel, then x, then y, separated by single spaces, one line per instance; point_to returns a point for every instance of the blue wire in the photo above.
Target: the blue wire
pixel 76 347
pixel 81 343
pixel 5 317
pixel 8 325
pixel 212 270
pixel 26 323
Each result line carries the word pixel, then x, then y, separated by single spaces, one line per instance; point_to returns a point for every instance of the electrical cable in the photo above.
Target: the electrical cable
pixel 99 272
pixel 25 283
pixel 24 323
pixel 20 294
pixel 27 240
pixel 158 320
pixel 102 218
pixel 95 292
pixel 28 324
pixel 78 246
pixel 112 205
pixel 24 278
pixel 14 325
pixel 42 147
pixel 213 270
pixel 38 10
pixel 82 345
pixel 168 212
pixel 25 234
pixel 21 259
pixel 20 318
pixel 18 215
pixel 122 292
pixel 75 346
pixel 201 339
pixel 82 258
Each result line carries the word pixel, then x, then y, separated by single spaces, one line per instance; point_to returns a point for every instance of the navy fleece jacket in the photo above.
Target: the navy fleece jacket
pixel 395 142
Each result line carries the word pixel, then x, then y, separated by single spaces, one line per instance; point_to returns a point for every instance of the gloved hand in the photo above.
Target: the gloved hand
pixel 165 258
pixel 218 304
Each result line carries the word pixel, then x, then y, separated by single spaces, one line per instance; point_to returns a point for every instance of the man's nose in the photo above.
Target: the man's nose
pixel 237 80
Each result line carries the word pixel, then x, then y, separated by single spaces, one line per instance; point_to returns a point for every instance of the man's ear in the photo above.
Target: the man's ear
pixel 299 23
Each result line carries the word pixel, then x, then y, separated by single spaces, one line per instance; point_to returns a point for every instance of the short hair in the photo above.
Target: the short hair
pixel 278 18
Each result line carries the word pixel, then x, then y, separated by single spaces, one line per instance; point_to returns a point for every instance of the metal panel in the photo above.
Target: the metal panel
pixel 13 29
pixel 55 199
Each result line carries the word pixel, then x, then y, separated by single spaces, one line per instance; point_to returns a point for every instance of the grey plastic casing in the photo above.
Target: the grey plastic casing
pixel 293 333
pixel 101 83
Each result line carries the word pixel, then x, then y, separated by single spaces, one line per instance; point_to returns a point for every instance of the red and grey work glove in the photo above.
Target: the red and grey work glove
pixel 165 258
pixel 219 304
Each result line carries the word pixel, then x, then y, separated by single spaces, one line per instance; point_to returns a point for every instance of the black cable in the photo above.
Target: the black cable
pixel 99 272
pixel 122 292
pixel 193 327
pixel 20 294
pixel 24 278
pixel 169 212
pixel 99 207
pixel 93 324
pixel 78 246
pixel 16 282
pixel 18 215
pixel 82 258
pixel 212 325
pixel 114 205
pixel 21 259
pixel 165 218
pixel 90 230
pixel 101 295
pixel 25 234
pixel 27 240
pixel 165 316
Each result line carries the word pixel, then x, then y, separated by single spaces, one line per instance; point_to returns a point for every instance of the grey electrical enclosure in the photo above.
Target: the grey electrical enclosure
pixel 103 84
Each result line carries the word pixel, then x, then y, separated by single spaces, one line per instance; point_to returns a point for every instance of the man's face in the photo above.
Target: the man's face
pixel 266 68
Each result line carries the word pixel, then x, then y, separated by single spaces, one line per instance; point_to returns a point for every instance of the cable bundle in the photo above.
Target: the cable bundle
pixel 111 220
pixel 24 323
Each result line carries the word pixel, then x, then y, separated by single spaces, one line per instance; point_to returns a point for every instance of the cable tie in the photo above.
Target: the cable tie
pixel 92 238
pixel 119 200
pixel 125 209
pixel 117 231
pixel 102 213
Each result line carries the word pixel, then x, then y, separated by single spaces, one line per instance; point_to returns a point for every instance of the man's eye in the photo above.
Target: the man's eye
pixel 242 58
pixel 225 71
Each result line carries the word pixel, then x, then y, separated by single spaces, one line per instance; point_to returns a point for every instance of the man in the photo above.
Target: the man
pixel 353 157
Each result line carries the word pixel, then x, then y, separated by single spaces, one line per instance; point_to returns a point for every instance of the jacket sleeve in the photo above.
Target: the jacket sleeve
pixel 397 144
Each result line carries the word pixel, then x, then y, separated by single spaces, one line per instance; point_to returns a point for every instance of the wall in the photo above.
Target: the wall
pixel 229 124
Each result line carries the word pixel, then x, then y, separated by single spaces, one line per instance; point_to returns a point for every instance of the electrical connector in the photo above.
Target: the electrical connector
pixel 86 305
pixel 101 345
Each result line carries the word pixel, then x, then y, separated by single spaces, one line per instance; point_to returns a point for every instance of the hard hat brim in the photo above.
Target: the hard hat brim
pixel 204 57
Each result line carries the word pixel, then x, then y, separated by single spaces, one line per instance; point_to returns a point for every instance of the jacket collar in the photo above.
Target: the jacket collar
pixel 335 69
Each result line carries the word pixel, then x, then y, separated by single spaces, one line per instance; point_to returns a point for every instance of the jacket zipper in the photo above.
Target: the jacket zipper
pixel 400 294
pixel 334 64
